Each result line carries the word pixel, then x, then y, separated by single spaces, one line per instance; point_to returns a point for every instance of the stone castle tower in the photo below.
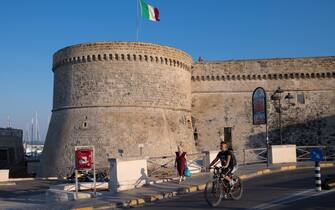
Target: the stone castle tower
pixel 118 96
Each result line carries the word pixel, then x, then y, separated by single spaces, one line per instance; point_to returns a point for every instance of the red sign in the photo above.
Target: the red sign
pixel 84 158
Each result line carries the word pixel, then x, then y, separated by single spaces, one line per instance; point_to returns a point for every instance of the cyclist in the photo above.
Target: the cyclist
pixel 228 162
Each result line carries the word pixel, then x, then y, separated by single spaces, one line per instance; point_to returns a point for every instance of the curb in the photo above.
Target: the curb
pixel 162 181
pixel 7 183
pixel 194 188
pixel 33 179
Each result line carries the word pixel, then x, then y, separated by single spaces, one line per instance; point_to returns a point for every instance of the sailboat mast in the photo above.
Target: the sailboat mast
pixel 32 131
pixel 37 130
pixel 8 120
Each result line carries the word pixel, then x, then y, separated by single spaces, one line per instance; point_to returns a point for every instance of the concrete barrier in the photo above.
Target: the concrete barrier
pixel 4 175
pixel 283 154
pixel 127 173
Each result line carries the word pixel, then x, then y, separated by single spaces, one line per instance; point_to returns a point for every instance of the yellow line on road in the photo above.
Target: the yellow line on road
pixel 287 168
pixel 326 164
pixel 83 208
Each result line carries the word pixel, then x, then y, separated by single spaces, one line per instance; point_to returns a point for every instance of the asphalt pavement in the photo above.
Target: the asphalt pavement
pixel 265 188
pixel 284 190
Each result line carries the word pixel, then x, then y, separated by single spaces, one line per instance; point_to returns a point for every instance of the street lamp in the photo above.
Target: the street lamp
pixel 276 99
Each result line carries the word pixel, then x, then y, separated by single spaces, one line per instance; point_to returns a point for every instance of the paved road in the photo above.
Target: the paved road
pixel 24 194
pixel 286 190
pixel 26 188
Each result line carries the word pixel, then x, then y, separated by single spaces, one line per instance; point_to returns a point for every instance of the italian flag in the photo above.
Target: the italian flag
pixel 149 12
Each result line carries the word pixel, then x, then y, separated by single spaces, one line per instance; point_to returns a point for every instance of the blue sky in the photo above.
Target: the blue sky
pixel 31 31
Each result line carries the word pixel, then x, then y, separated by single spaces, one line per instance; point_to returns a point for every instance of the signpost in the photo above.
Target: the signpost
pixel 259 113
pixel 85 160
pixel 317 156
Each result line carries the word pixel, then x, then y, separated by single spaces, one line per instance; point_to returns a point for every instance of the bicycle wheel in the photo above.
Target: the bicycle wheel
pixel 213 193
pixel 237 190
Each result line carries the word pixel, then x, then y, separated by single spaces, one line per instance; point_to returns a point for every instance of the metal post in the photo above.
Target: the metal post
pixel 94 176
pixel 76 175
pixel 267 144
pixel 280 127
pixel 317 176
pixel 137 19
pixel 243 156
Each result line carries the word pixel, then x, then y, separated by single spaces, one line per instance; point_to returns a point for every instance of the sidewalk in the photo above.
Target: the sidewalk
pixel 169 189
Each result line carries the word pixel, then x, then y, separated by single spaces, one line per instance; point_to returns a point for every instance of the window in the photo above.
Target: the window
pixel 227 135
pixel 85 125
pixel 301 98
pixel 196 134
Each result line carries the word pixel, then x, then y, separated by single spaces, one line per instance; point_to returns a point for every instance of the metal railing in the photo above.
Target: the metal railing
pixel 163 166
pixel 252 156
pixel 259 155
pixel 196 161
pixel 303 152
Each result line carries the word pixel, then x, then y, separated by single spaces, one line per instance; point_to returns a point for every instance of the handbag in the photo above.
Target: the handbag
pixel 187 172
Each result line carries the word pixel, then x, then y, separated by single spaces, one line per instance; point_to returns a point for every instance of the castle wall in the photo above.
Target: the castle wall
pixel 118 96
pixel 221 97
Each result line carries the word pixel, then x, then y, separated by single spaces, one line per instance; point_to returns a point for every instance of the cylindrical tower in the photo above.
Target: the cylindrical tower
pixel 122 97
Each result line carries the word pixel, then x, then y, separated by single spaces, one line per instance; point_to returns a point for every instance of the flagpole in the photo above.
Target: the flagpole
pixel 137 20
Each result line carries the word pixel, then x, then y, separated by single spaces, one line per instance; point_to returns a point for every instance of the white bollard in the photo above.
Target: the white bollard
pixel 317 176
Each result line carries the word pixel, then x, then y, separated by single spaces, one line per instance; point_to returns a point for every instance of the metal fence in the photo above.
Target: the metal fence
pixel 252 156
pixel 259 155
pixel 163 166
pixel 303 152
pixel 196 162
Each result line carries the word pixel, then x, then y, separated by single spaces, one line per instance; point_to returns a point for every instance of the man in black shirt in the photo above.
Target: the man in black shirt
pixel 228 161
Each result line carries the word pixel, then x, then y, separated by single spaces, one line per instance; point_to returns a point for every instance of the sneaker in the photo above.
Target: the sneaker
pixel 225 196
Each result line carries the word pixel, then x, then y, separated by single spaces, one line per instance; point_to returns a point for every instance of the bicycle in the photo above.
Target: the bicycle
pixel 219 188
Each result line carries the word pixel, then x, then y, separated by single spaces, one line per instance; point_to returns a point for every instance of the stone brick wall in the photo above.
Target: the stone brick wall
pixel 118 96
pixel 221 97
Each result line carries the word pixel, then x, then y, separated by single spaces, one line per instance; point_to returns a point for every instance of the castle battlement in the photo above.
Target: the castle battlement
pixel 122 51
pixel 293 75
pixel 266 69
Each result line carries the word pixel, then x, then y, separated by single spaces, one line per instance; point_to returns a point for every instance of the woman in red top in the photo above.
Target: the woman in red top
pixel 180 163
